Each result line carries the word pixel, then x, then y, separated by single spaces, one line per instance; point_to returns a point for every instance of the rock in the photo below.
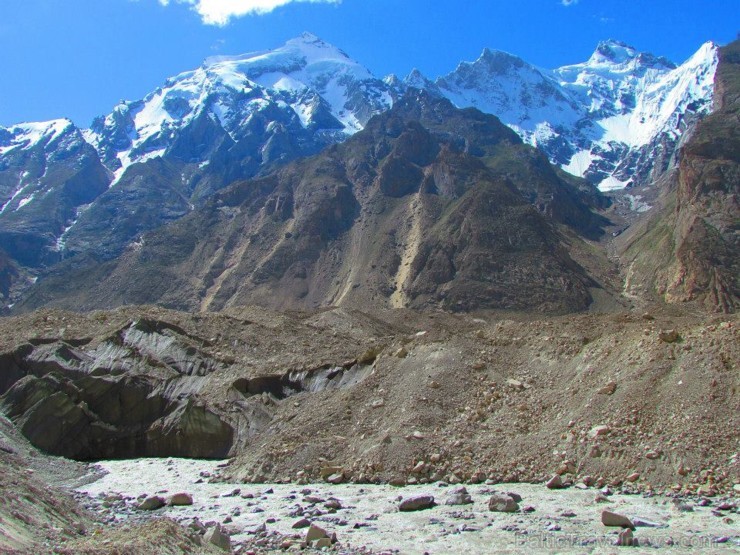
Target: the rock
pixel 668 336
pixel 459 496
pixel 736 488
pixel 648 316
pixel 401 353
pixel 626 538
pixel 598 431
pixel 556 482
pixel 608 389
pixel 609 518
pixel 180 499
pixel 644 523
pixel 633 477
pixel 515 496
pixel 216 536
pixel 315 533
pixel 327 471
pixel 152 503
pixel 303 523
pixel 683 507
pixel 337 478
pixel 601 498
pixel 417 503
pixel 333 504
pixel 502 503
pixel 515 384
pixel 322 542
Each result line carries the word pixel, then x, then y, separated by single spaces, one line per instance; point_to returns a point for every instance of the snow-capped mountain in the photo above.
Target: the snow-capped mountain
pixel 615 119
pixel 315 84
pixel 154 160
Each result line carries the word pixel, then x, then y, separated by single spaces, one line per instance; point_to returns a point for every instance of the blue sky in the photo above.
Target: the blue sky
pixel 78 58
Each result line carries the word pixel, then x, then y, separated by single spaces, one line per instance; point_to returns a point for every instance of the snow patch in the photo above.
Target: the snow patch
pixel 611 183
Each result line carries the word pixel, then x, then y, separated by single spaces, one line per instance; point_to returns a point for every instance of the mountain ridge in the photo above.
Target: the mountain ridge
pixel 152 161
pixel 422 209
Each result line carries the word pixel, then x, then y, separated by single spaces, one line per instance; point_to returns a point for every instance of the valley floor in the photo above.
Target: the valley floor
pixel 366 517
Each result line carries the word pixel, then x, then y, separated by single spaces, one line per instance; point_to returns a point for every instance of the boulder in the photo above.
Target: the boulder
pixel 556 482
pixel 669 336
pixel 302 523
pixel 180 499
pixel 502 503
pixel 626 538
pixel 608 389
pixel 315 533
pixel 609 518
pixel 417 503
pixel 459 496
pixel 337 478
pixel 152 503
pixel 598 431
pixel 216 536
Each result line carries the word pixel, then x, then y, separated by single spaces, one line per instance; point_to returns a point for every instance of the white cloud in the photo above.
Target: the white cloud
pixel 568 2
pixel 220 12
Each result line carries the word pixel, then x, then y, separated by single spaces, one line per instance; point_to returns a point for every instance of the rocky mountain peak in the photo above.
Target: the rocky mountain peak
pixel 619 55
pixel 613 51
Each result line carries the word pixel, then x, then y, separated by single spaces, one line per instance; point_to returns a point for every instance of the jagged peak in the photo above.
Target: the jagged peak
pixel 616 52
pixel 416 78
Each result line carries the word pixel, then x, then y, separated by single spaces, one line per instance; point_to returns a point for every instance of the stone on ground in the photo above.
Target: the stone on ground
pixel 216 536
pixel 502 503
pixel 417 503
pixel 609 518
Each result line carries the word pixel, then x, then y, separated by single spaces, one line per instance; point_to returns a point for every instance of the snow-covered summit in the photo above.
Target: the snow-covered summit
pixel 607 119
pixel 29 135
pixel 306 78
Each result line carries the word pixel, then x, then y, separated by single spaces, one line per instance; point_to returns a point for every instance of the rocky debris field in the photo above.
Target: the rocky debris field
pixel 435 518
pixel 641 401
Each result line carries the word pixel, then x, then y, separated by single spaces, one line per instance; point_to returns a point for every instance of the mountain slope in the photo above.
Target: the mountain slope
pixel 687 251
pixel 411 211
pixel 73 196
pixel 67 192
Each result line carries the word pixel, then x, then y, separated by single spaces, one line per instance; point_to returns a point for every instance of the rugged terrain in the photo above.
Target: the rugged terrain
pixel 686 249
pixel 644 400
pixel 428 206
pixel 79 196
pixel 434 302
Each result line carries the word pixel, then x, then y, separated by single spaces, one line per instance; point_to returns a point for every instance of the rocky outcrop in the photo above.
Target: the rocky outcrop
pixel 151 388
pixel 135 394
pixel 687 251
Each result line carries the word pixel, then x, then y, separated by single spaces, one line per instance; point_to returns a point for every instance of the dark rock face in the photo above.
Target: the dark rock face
pixel 147 389
pixel 134 395
pixel 429 206
pixel 42 191
pixel 688 250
